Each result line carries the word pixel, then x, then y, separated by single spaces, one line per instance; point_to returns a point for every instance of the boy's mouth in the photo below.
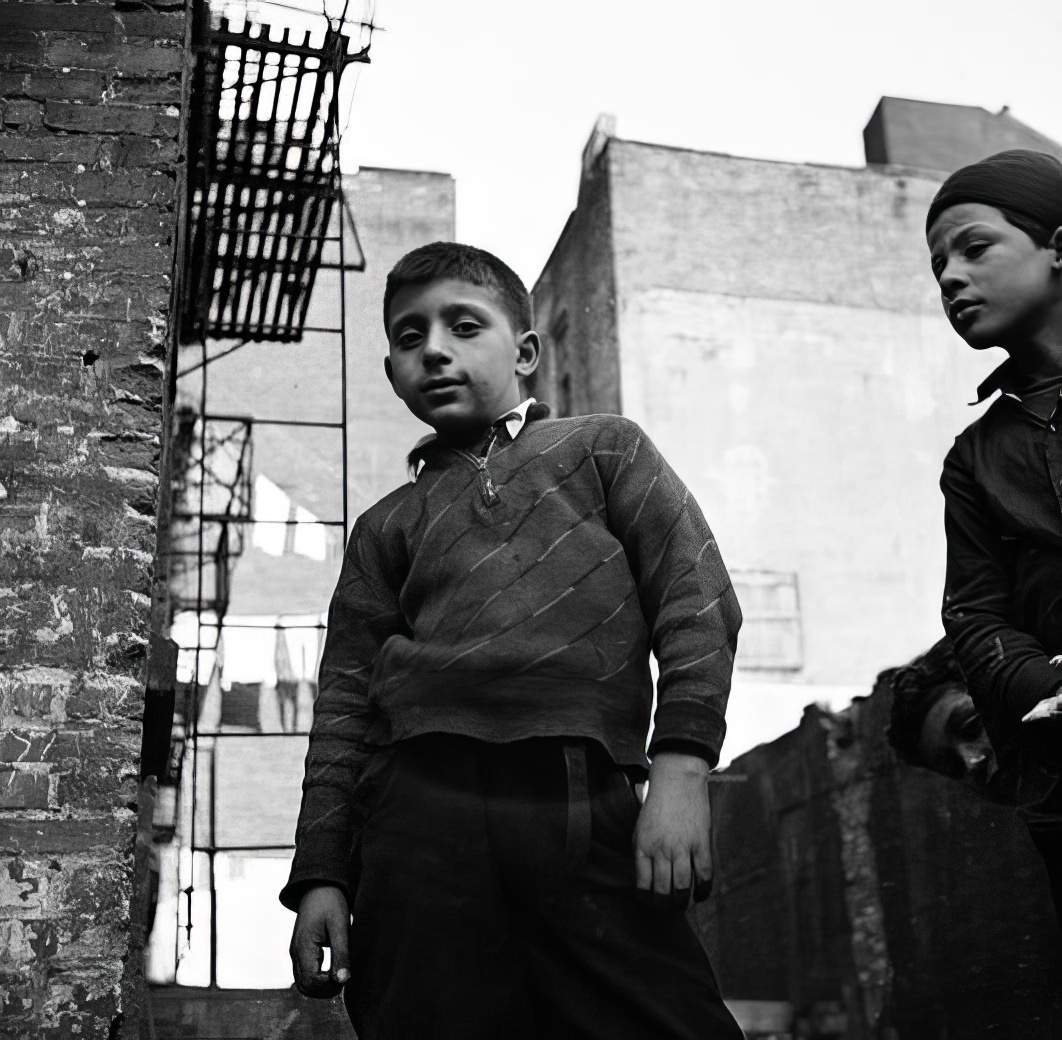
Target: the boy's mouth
pixel 962 310
pixel 441 383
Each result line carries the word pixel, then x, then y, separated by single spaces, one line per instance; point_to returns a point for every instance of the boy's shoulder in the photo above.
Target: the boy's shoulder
pixel 988 437
pixel 998 418
pixel 375 517
pixel 591 427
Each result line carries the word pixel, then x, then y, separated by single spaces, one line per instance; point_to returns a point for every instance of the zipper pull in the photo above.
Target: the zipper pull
pixel 487 488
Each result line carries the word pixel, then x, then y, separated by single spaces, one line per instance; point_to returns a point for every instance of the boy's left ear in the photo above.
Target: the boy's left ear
pixel 1056 245
pixel 528 351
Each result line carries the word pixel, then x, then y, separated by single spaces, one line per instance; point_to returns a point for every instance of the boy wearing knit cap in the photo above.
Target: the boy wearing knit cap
pixel 995 237
pixel 471 846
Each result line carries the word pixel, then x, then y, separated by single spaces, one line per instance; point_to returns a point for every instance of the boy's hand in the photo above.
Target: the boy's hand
pixel 672 839
pixel 1050 708
pixel 323 920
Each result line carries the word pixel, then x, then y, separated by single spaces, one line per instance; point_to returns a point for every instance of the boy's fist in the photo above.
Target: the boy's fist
pixel 323 920
pixel 672 839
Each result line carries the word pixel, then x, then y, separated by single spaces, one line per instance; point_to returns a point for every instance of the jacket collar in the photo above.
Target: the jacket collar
pixel 1039 401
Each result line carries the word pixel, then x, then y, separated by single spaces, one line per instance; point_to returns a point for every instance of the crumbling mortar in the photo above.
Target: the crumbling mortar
pixel 850 798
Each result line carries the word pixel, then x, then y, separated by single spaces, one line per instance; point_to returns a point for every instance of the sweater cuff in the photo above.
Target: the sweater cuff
pixel 679 746
pixel 688 726
pixel 298 885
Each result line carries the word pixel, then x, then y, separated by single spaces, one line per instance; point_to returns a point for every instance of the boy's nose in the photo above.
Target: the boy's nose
pixel 951 278
pixel 436 348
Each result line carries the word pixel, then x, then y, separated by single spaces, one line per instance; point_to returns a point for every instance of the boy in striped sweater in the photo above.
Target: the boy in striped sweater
pixel 484 704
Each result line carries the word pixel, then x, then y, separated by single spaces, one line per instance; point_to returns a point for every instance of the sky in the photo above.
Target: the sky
pixel 502 94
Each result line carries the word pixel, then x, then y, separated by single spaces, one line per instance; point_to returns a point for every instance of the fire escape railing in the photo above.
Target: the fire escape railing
pixel 264 175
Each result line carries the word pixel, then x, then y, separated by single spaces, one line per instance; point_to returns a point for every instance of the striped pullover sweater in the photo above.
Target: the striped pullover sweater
pixel 518 596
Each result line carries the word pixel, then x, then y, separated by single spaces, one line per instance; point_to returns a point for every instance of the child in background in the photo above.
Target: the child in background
pixel 484 705
pixel 995 236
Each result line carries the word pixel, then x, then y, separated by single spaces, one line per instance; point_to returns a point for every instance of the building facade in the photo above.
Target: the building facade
pixel 857 897
pixel 777 331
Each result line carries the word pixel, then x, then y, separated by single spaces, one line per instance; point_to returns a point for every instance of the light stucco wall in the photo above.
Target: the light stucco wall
pixel 781 340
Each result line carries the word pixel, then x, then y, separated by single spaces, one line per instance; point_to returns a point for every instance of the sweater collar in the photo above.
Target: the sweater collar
pixel 515 420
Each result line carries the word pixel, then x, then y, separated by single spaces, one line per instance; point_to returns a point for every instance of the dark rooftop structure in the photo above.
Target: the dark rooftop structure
pixel 938 137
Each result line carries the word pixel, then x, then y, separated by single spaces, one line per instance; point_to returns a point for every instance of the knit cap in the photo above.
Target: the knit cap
pixel 1023 181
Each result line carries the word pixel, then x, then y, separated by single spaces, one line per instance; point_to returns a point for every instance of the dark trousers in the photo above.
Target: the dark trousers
pixel 1047 837
pixel 497 900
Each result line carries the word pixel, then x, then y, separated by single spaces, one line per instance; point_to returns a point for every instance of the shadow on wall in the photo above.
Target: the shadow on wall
pixel 858 897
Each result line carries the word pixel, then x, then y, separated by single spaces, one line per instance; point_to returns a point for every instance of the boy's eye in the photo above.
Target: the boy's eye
pixel 974 250
pixel 407 339
pixel 466 327
pixel 972 727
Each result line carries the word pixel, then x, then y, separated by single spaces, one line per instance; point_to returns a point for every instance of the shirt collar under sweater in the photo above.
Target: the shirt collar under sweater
pixel 514 419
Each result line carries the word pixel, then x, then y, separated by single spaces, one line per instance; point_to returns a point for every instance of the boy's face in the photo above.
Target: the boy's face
pixel 954 742
pixel 998 287
pixel 454 357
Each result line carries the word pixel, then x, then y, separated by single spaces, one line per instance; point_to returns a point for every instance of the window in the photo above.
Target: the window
pixel 771 637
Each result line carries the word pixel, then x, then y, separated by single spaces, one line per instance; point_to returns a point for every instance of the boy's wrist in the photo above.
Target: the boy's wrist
pixel 679 765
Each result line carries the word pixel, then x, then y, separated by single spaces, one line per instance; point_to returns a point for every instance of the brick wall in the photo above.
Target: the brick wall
pixel 90 106
pixel 876 899
pixel 575 301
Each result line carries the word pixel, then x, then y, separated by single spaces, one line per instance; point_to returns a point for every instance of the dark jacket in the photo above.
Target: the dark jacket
pixel 1002 484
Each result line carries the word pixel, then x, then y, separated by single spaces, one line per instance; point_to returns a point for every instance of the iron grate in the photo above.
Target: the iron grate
pixel 264 174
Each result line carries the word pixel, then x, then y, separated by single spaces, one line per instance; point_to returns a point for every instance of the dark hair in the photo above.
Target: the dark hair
pixel 915 689
pixel 453 260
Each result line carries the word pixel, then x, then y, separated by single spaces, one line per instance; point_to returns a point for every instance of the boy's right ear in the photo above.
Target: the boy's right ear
pixel 389 372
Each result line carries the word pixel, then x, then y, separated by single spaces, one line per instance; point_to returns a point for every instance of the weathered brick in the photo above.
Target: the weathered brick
pixel 70 836
pixel 69 86
pixel 92 224
pixel 34 692
pixel 44 146
pixel 163 59
pixel 105 695
pixel 87 232
pixel 98 773
pixel 86 51
pixel 22 48
pixel 24 789
pixel 17 114
pixel 85 186
pixel 147 91
pixel 99 119
pixel 25 745
pixel 128 151
pixel 15 295
pixel 91 18
pixel 13 84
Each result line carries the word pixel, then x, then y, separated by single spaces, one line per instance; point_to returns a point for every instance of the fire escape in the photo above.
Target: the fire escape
pixel 269 245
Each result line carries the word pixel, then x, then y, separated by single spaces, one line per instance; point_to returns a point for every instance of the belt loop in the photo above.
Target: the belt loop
pixel 577 845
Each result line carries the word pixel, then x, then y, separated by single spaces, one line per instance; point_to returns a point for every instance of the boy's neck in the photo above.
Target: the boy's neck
pixel 474 436
pixel 1038 361
pixel 471 438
